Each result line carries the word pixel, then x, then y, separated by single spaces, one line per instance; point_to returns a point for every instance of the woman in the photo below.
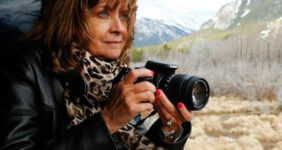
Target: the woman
pixel 58 86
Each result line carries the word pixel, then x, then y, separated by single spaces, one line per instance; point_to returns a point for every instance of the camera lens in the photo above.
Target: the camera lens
pixel 191 90
pixel 199 93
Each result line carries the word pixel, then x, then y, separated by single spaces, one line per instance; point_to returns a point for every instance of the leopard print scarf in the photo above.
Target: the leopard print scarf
pixel 99 75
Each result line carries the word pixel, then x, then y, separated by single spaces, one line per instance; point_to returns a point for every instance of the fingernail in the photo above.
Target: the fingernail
pixel 152 72
pixel 158 92
pixel 180 105
pixel 156 99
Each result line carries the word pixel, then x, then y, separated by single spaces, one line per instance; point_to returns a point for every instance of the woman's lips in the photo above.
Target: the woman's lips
pixel 113 43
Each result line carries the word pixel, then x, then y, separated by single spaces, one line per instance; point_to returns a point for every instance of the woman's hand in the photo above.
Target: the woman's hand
pixel 129 99
pixel 170 116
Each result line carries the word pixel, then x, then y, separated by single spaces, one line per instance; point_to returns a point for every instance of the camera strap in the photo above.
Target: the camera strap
pixel 121 75
pixel 140 122
pixel 118 78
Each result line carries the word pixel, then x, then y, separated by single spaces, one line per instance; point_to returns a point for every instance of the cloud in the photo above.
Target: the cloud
pixel 185 5
pixel 188 13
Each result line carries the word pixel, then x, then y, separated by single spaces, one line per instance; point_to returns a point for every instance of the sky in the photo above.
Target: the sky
pixel 188 5
pixel 196 11
pixel 189 13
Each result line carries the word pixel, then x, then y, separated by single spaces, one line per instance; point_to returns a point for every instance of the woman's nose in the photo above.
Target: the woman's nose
pixel 117 25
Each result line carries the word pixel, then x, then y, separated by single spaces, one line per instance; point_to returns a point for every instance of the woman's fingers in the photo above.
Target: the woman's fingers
pixel 144 86
pixel 129 99
pixel 161 116
pixel 138 92
pixel 133 75
pixel 166 116
pixel 143 107
pixel 146 96
pixel 166 104
pixel 184 112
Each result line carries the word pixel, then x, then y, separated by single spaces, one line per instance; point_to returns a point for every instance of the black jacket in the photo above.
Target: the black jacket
pixel 33 113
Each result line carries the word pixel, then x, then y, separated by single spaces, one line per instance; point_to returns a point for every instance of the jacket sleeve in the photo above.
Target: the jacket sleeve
pixel 133 135
pixel 156 136
pixel 20 126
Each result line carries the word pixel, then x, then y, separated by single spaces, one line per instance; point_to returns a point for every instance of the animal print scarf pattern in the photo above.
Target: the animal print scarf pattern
pixel 99 75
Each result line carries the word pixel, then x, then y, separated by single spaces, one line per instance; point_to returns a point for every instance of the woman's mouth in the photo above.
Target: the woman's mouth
pixel 113 43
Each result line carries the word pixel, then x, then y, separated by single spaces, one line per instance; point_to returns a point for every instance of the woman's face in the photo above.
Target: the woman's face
pixel 108 30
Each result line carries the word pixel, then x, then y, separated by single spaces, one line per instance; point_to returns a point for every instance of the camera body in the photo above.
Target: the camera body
pixel 163 72
pixel 191 90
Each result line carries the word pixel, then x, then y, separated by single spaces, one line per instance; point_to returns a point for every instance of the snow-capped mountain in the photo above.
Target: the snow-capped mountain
pixel 249 21
pixel 153 31
pixel 225 17
pixel 240 12
pixel 158 23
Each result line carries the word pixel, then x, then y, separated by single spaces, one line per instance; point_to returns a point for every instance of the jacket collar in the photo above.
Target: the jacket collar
pixel 73 81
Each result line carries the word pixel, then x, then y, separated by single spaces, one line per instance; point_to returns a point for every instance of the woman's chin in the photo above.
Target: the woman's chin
pixel 107 54
pixel 112 55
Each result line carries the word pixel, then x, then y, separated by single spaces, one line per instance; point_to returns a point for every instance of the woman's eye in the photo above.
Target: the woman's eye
pixel 124 16
pixel 103 14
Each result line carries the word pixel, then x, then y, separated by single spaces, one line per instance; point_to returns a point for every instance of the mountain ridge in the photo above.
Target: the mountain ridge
pixel 259 11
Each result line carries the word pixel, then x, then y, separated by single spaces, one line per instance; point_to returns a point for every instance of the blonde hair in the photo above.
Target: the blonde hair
pixel 64 22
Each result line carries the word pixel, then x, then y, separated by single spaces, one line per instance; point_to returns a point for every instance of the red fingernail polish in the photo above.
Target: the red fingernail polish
pixel 156 99
pixel 158 92
pixel 152 72
pixel 180 105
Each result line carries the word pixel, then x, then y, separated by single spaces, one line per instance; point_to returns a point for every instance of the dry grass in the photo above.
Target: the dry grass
pixel 244 73
pixel 229 123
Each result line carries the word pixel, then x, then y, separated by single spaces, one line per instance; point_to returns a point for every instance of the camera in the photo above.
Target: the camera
pixel 193 91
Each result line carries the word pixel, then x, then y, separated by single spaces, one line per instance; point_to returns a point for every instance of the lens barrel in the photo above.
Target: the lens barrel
pixel 191 90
